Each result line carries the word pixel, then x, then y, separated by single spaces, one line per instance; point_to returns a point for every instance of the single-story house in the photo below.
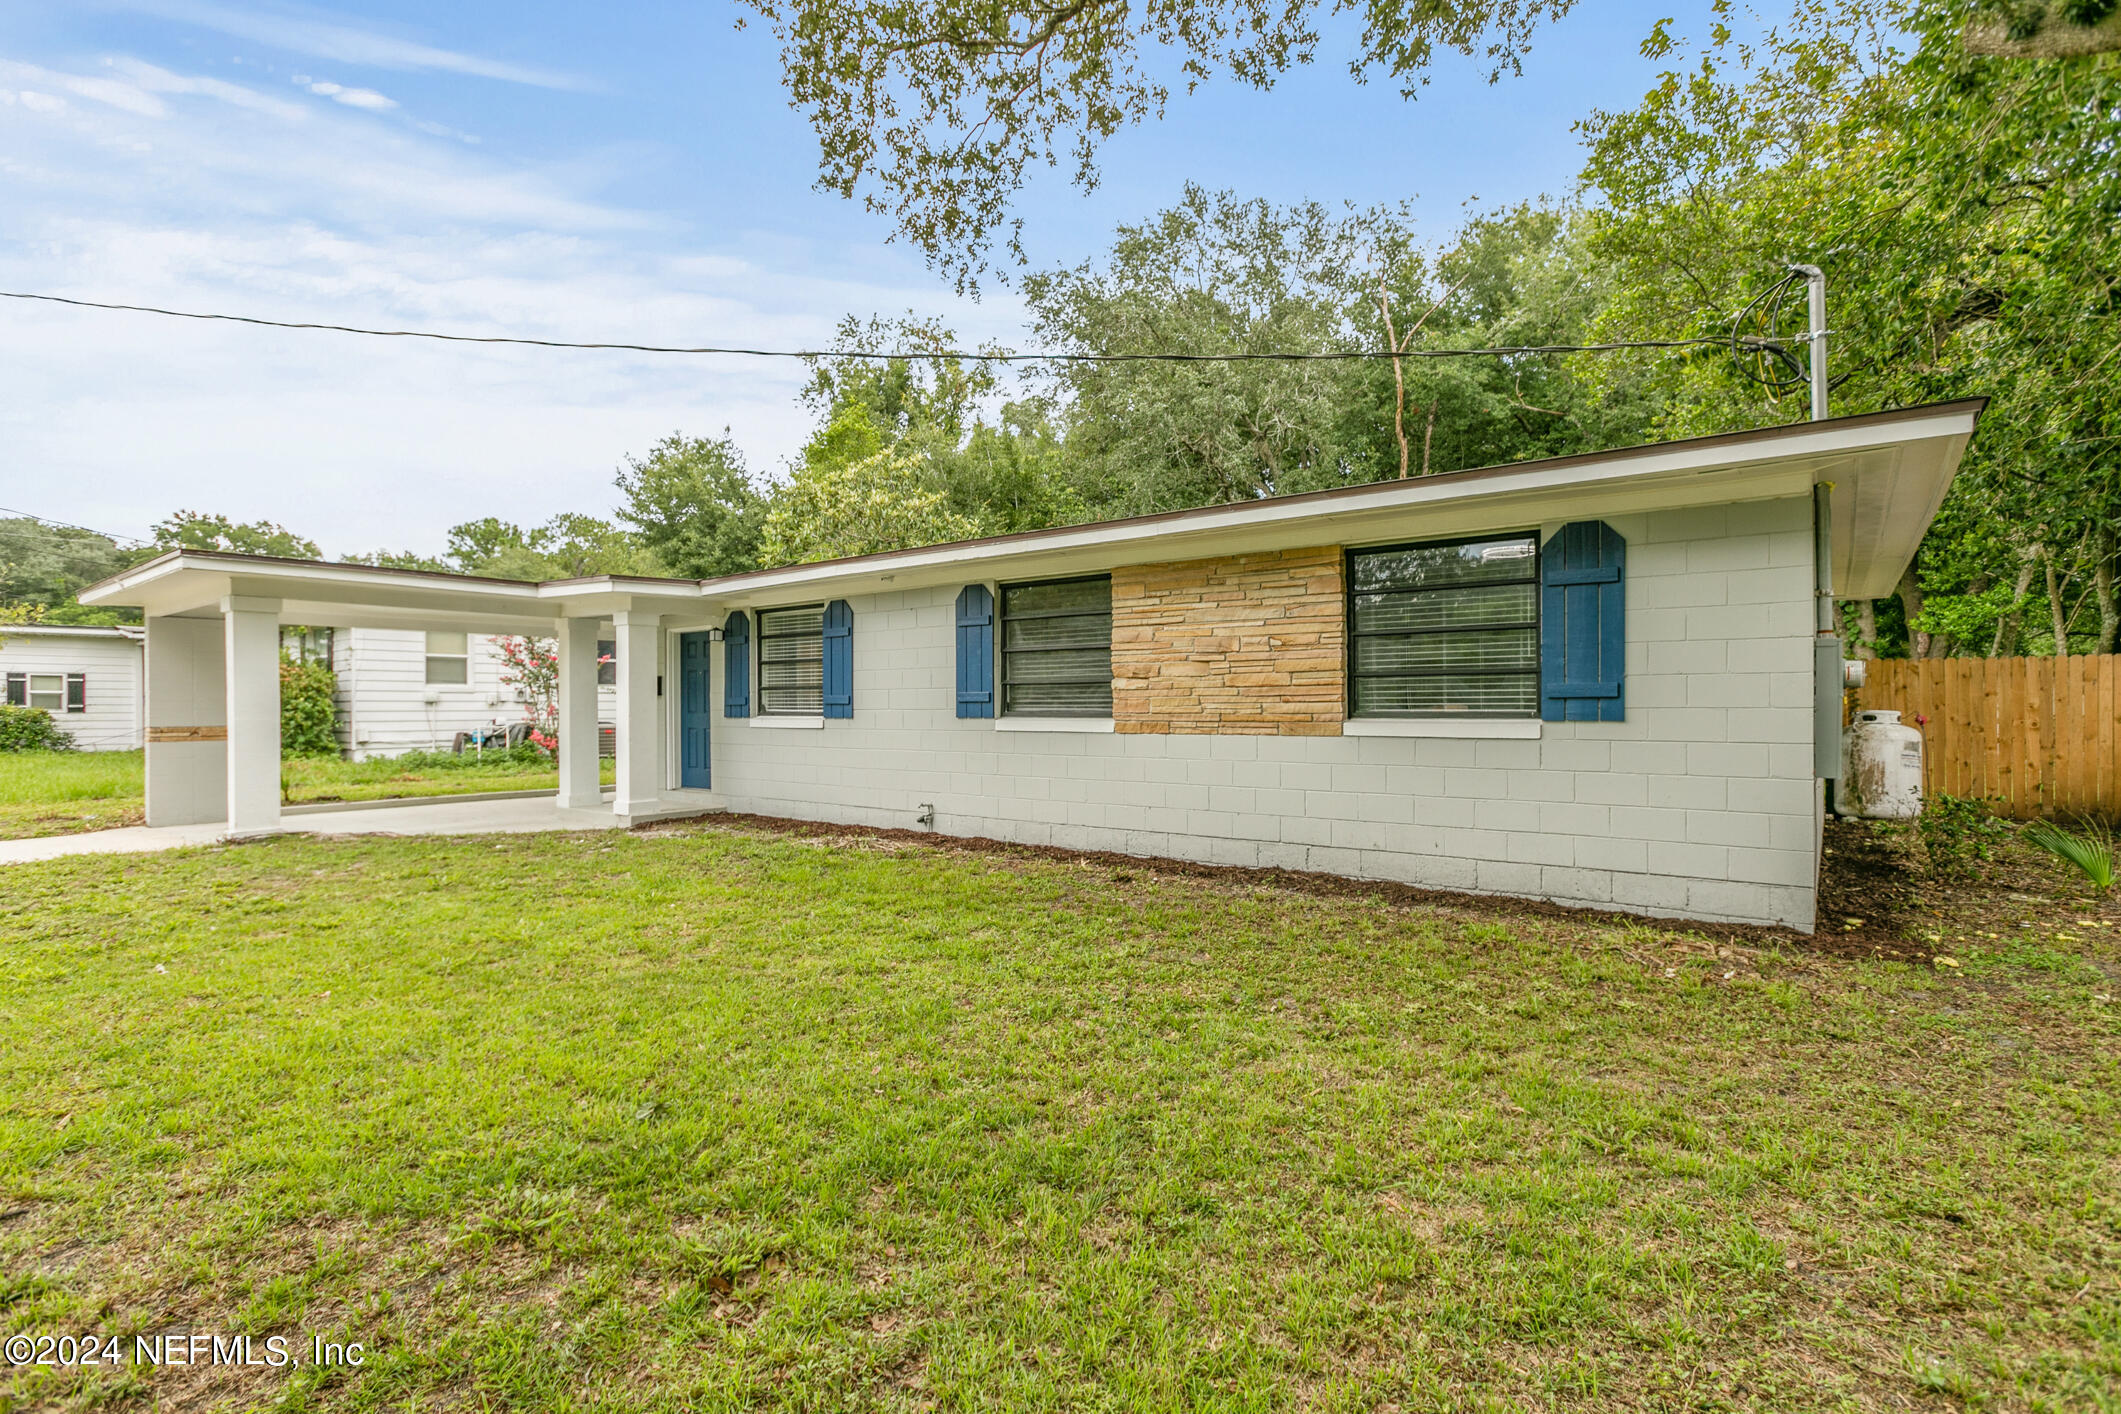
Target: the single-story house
pixel 88 678
pixel 1610 679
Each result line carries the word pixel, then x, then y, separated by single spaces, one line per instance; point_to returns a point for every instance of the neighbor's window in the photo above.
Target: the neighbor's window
pixel 448 658
pixel 306 645
pixel 1445 629
pixel 607 661
pixel 792 661
pixel 48 690
pixel 1057 648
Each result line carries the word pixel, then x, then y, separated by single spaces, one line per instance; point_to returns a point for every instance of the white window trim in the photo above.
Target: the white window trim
pixel 800 723
pixel 1053 724
pixel 1482 728
pixel 428 658
pixel 31 690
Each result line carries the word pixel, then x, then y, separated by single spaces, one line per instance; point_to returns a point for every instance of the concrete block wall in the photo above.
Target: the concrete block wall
pixel 1701 804
pixel 1243 643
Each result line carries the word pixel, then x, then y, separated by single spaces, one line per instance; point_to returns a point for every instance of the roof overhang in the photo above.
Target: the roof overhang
pixel 1888 472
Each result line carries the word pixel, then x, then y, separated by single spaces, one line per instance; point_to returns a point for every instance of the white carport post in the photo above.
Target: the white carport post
pixel 251 640
pixel 187 722
pixel 640 730
pixel 578 715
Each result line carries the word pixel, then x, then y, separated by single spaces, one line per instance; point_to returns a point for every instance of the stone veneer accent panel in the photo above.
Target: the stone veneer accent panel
pixel 1243 644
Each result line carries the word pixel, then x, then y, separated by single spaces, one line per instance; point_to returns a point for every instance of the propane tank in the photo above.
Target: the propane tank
pixel 1881 770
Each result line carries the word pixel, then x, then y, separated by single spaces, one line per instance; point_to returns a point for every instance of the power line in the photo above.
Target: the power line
pixel 69 525
pixel 961 355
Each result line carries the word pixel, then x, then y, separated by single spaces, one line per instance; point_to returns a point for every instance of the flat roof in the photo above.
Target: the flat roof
pixel 1889 472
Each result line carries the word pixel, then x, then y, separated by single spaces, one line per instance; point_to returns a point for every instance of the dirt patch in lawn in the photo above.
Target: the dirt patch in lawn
pixel 1292 880
pixel 1879 896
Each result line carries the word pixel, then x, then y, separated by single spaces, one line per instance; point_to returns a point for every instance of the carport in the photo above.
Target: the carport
pixel 213 671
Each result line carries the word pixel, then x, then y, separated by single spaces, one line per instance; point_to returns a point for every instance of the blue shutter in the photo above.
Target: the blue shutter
pixel 736 665
pixel 839 659
pixel 1583 624
pixel 975 651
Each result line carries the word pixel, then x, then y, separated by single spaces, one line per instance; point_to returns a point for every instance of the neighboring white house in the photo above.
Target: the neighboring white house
pixel 403 690
pixel 89 679
pixel 399 691
pixel 1612 679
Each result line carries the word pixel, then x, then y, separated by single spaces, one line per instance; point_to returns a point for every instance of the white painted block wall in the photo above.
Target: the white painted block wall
pixel 1701 804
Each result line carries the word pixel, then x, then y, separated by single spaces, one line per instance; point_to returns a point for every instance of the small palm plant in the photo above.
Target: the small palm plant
pixel 2091 851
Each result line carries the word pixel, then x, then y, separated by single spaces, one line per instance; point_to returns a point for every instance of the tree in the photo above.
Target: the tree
pixel 694 505
pixel 934 113
pixel 44 566
pixel 569 546
pixel 2035 29
pixel 995 476
pixel 1964 209
pixel 1216 274
pixel 397 560
pixel 191 530
pixel 879 503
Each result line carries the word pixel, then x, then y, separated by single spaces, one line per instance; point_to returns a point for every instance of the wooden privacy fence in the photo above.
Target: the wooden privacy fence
pixel 2032 736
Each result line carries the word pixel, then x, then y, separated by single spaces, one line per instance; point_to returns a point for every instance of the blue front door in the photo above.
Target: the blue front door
pixel 693 680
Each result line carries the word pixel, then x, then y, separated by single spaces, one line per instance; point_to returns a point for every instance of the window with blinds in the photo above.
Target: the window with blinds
pixel 1449 628
pixel 1057 648
pixel 792 661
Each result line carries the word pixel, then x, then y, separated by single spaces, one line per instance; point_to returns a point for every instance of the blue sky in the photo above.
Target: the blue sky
pixel 626 172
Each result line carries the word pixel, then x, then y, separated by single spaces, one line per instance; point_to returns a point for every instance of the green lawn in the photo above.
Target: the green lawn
pixel 712 1120
pixel 64 793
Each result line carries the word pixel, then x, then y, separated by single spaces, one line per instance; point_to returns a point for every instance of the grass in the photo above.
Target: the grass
pixel 62 793
pixel 709 1119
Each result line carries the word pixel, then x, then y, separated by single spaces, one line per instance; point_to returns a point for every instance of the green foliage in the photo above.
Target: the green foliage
pixel 1215 274
pixel 2090 850
pixel 192 530
pixel 309 718
pixel 936 112
pixel 43 567
pixel 31 729
pixel 397 560
pixel 1959 834
pixel 915 428
pixel 568 546
pixel 1964 209
pixel 881 502
pixel 694 506
pixel 424 763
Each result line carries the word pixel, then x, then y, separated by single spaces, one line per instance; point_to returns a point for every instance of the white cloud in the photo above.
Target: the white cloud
pixel 155 79
pixel 333 39
pixel 40 102
pixel 352 97
pixel 230 201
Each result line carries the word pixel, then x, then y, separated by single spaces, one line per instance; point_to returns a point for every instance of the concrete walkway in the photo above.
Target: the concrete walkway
pixel 515 815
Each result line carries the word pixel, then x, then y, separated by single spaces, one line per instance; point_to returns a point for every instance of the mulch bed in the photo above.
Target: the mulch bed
pixel 1878 896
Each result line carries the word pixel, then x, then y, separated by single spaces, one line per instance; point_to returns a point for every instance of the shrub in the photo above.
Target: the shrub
pixel 2091 850
pixel 1959 833
pixel 31 729
pixel 309 719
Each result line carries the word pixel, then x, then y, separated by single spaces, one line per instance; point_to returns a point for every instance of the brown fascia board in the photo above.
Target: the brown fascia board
pixel 1338 493
pixel 1974 406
